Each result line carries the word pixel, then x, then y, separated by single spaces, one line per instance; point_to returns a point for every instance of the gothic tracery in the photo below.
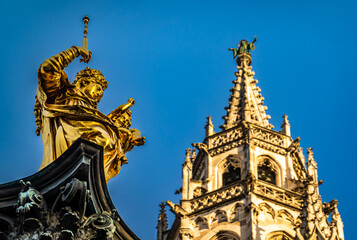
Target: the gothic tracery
pixel 250 181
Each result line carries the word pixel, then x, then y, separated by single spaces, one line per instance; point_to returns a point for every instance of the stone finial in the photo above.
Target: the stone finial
pixel 310 153
pixel 188 155
pixel 162 223
pixel 311 160
pixel 163 217
pixel 209 127
pixel 285 127
pixel 193 156
pixel 311 165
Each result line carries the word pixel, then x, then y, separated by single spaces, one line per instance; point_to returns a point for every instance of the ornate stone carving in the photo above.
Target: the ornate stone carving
pixel 233 213
pixel 216 197
pixel 329 207
pixel 298 168
pixel 220 216
pixel 314 218
pixel 176 209
pixel 265 207
pixel 261 195
pixel 226 137
pixel 186 233
pixel 199 191
pixel 268 147
pixel 294 146
pixel 226 147
pixel 98 227
pixel 235 137
pixel 35 221
pixel 233 161
pixel 250 181
pixel 201 147
pixel 30 209
pixel 278 195
pixel 201 223
pixel 268 136
pixel 285 215
pixel 267 162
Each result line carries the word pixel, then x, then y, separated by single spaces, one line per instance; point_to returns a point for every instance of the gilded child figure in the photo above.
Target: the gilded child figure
pixel 67 111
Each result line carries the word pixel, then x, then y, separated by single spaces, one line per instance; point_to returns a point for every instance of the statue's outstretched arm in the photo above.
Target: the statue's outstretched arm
pixel 234 51
pixel 121 109
pixel 255 39
pixel 251 45
pixel 51 75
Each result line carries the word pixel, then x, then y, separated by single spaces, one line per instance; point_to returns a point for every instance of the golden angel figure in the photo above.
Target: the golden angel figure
pixel 67 111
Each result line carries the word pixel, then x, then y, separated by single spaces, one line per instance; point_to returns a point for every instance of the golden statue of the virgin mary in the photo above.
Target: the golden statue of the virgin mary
pixel 67 111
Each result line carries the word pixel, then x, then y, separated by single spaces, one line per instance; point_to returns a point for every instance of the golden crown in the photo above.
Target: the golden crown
pixel 96 74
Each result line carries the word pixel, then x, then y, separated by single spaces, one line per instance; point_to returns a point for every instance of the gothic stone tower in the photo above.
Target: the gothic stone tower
pixel 248 181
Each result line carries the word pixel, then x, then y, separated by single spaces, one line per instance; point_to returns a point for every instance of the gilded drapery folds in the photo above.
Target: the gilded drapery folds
pixel 65 112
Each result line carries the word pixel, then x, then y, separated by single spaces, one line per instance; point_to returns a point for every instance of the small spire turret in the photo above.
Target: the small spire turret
pixel 188 155
pixel 209 127
pixel 194 155
pixel 311 165
pixel 162 223
pixel 285 126
pixel 187 173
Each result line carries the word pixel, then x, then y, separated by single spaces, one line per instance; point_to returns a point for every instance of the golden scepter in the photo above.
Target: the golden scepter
pixel 85 39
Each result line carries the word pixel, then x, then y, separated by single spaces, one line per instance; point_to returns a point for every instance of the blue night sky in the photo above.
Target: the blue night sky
pixel 172 58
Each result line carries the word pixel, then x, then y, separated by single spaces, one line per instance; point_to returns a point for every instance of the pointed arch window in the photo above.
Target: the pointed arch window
pixel 231 175
pixel 228 171
pixel 266 172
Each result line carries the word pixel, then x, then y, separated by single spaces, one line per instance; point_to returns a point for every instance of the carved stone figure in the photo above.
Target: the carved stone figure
pixel 176 209
pixel 243 51
pixel 35 221
pixel 30 208
pixel 201 147
pixel 67 111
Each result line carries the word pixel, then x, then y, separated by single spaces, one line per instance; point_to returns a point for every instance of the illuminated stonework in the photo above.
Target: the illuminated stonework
pixel 275 195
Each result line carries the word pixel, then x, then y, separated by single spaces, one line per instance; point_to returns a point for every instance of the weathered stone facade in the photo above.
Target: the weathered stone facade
pixel 249 181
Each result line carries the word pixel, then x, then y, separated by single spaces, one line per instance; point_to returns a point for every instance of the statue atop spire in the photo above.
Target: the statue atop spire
pixel 246 101
pixel 67 111
pixel 243 51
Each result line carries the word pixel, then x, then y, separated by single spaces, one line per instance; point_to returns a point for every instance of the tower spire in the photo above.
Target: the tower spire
pixel 249 181
pixel 285 126
pixel 245 102
pixel 209 126
pixel 162 223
